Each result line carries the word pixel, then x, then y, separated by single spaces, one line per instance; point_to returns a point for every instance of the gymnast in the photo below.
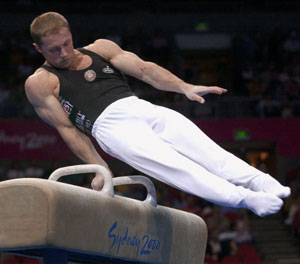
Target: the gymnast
pixel 83 92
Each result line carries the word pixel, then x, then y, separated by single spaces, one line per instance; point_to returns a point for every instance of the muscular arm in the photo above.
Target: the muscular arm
pixel 151 73
pixel 39 89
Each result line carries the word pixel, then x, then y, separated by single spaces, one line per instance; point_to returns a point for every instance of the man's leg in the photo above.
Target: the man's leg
pixel 186 138
pixel 133 141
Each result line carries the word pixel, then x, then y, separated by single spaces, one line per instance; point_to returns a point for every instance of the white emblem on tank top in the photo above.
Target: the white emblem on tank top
pixel 90 75
pixel 107 69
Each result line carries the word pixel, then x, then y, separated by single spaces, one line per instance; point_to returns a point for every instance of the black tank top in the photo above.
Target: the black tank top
pixel 84 94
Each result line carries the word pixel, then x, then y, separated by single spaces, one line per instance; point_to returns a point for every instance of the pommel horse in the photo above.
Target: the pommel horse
pixel 63 223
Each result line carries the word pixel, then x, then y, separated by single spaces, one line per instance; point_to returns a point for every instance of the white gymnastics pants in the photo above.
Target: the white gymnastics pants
pixel 170 148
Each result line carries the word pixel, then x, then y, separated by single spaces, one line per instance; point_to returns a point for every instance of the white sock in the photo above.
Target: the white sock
pixel 267 184
pixel 262 203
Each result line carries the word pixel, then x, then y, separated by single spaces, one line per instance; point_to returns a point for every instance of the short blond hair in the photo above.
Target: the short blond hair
pixel 47 23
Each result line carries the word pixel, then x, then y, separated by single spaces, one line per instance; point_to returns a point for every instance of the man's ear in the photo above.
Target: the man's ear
pixel 37 47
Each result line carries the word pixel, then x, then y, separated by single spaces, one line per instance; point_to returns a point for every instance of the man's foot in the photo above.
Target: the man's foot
pixel 268 184
pixel 262 203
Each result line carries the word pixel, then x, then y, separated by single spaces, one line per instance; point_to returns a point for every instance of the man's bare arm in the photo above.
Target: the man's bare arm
pixel 39 90
pixel 149 72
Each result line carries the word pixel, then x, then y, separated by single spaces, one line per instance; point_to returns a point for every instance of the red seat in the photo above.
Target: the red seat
pixel 231 260
pixel 248 253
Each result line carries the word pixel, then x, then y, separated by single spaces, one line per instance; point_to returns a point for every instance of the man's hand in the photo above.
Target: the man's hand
pixel 98 181
pixel 197 91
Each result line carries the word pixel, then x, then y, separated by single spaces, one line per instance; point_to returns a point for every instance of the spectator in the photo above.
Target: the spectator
pixel 229 250
pixel 292 203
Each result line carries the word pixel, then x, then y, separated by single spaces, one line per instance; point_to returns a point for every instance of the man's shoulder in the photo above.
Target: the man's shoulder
pixel 95 46
pixel 40 78
pixel 35 78
pixel 103 47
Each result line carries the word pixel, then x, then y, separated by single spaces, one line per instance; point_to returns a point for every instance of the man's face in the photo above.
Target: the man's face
pixel 57 48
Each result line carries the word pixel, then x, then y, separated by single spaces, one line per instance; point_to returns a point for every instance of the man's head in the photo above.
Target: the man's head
pixel 47 23
pixel 53 39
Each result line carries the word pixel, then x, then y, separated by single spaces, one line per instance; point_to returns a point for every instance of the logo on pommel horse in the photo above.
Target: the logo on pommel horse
pixel 144 245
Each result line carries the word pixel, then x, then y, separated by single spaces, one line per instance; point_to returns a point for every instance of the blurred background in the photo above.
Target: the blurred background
pixel 250 48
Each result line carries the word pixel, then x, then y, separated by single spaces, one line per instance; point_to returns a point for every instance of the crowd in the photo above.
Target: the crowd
pixel 230 240
pixel 270 69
